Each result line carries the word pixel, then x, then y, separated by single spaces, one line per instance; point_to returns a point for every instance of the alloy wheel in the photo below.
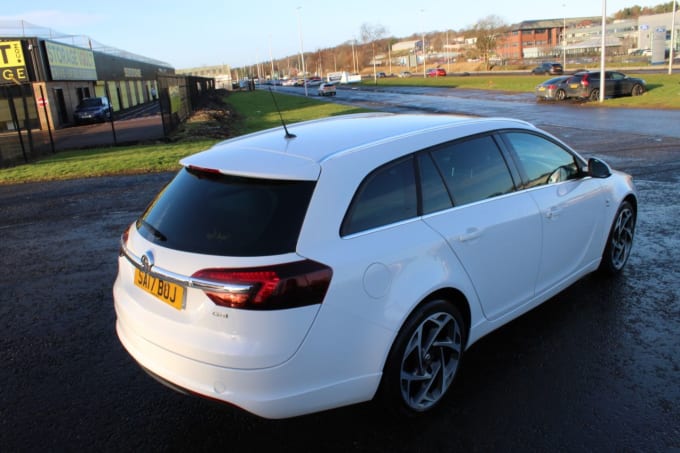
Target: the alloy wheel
pixel 622 237
pixel 430 361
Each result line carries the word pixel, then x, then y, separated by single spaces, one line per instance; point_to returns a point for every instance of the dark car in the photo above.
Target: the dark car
pixel 552 89
pixel 548 68
pixel 92 110
pixel 436 72
pixel 586 85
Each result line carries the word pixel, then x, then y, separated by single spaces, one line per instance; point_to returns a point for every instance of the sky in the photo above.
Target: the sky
pixel 189 34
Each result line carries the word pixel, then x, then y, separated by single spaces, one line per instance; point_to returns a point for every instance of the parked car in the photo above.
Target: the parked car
pixel 326 89
pixel 314 81
pixel 552 89
pixel 266 273
pixel 548 69
pixel 405 74
pixel 92 110
pixel 586 85
pixel 436 72
pixel 381 75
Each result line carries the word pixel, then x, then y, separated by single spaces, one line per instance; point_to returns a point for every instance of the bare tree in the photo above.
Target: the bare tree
pixel 370 33
pixel 486 32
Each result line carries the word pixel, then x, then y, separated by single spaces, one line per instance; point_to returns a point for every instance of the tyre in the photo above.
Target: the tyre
pixel 637 90
pixel 561 95
pixel 594 95
pixel 424 359
pixel 620 240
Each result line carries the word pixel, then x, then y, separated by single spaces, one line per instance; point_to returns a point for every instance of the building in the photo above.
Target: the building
pixel 45 75
pixel 538 38
pixel 576 37
pixel 221 74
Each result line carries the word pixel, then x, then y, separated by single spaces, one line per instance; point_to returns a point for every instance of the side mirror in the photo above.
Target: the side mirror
pixel 598 169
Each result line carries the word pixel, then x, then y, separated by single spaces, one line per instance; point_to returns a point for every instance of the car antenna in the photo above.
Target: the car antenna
pixel 288 134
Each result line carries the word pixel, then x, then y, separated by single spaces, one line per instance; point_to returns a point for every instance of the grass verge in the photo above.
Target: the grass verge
pixel 257 110
pixel 663 90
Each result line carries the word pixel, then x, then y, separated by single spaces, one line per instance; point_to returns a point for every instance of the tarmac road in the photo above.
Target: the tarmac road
pixel 594 369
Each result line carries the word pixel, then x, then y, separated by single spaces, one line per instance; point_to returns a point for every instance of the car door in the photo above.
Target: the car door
pixel 494 231
pixel 624 85
pixel 571 204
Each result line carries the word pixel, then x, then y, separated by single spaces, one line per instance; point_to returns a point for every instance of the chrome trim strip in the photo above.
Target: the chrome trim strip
pixel 189 282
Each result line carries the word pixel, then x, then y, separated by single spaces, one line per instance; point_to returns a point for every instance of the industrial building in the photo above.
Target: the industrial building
pixel 45 75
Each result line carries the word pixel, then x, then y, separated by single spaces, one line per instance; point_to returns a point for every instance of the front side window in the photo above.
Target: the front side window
pixel 473 170
pixel 542 161
pixel 387 195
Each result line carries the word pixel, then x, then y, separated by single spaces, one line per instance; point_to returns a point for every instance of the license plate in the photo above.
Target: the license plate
pixel 541 88
pixel 170 293
pixel 573 85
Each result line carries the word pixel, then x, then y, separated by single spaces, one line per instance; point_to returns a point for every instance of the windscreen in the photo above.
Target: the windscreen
pixel 92 102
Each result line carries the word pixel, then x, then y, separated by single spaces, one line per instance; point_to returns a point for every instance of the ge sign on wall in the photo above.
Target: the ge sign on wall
pixel 12 63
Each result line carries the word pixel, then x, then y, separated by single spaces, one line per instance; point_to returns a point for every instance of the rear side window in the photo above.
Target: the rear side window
pixel 226 215
pixel 473 170
pixel 387 195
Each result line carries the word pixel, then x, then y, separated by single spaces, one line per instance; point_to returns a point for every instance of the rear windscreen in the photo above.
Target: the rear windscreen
pixel 218 214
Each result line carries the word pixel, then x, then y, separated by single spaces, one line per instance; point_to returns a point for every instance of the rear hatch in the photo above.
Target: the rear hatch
pixel 209 271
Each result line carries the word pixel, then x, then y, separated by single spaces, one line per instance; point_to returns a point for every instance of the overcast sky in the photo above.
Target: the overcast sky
pixel 203 33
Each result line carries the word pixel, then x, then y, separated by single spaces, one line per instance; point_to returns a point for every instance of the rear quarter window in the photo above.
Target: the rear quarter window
pixel 386 196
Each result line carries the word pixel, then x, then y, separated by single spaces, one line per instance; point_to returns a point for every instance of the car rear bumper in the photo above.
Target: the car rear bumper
pixel 277 392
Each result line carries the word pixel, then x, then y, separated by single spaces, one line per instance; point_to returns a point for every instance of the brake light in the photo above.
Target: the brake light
pixel 266 288
pixel 204 169
pixel 585 81
pixel 123 240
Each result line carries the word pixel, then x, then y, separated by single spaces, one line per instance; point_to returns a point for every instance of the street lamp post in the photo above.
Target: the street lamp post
pixel 670 55
pixel 354 56
pixel 564 39
pixel 422 30
pixel 302 52
pixel 448 49
pixel 603 50
pixel 271 58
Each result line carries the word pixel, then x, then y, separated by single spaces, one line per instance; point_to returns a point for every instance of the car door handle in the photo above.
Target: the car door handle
pixel 470 234
pixel 553 212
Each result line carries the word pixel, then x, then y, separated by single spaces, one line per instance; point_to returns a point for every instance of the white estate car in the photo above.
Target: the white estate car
pixel 358 256
pixel 326 89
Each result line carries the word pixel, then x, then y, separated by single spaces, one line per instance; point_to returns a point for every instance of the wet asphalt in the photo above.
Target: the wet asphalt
pixel 597 368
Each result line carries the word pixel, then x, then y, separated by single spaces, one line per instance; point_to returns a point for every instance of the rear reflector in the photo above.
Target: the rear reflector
pixel 267 288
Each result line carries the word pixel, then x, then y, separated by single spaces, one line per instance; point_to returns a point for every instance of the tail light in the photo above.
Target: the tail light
pixel 585 82
pixel 266 288
pixel 123 240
